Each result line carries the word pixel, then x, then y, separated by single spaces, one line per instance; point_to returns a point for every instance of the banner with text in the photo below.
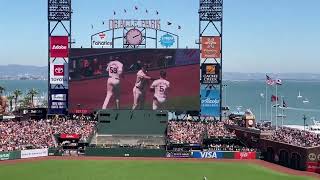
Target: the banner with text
pixel 59 47
pixel 210 102
pixel 178 154
pixel 207 154
pixel 34 153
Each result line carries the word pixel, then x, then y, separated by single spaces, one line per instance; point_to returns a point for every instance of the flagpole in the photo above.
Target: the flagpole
pixel 271 113
pixel 266 95
pixel 276 106
pixel 282 111
pixel 260 112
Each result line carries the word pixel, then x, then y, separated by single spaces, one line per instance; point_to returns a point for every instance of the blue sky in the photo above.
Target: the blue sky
pixel 259 35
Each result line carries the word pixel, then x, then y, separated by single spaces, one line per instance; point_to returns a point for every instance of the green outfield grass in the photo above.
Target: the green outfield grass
pixel 137 170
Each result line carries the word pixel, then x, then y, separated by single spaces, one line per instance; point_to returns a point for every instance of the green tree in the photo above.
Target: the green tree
pixel 2 89
pixel 10 99
pixel 17 93
pixel 25 102
pixel 32 93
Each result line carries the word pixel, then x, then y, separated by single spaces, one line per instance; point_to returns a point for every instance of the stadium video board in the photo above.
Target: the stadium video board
pixel 158 79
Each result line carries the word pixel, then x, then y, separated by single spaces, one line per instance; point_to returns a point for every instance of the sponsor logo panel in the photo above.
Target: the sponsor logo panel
pixel 245 155
pixel 101 40
pixel 211 47
pixel 59 46
pixel 210 102
pixel 210 74
pixel 59 73
pixel 313 167
pixel 177 154
pixel 207 154
pixel 167 40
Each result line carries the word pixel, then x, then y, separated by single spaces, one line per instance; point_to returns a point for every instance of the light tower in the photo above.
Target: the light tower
pixel 59 43
pixel 210 36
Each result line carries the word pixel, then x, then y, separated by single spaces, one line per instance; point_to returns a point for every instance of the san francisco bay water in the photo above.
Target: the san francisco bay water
pixel 248 94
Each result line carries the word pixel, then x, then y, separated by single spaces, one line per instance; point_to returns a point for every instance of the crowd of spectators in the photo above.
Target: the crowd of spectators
pixel 68 126
pixel 30 134
pixel 194 131
pixel 216 130
pixel 16 135
pixel 185 132
pixel 295 137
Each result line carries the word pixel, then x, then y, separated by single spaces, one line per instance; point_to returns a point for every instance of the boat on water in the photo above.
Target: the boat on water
pixel 305 101
pixel 315 128
pixel 281 115
pixel 299 96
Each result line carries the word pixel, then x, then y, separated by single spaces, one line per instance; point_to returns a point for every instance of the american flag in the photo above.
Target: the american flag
pixel 269 81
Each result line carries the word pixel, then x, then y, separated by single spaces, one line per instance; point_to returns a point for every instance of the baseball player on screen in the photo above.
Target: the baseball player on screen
pixel 140 88
pixel 160 88
pixel 114 70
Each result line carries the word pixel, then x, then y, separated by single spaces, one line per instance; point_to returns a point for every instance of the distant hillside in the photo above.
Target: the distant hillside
pixel 14 70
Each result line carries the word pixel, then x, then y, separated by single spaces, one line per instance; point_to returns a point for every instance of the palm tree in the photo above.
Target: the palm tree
pixel 10 99
pixel 2 89
pixel 32 93
pixel 25 102
pixel 16 94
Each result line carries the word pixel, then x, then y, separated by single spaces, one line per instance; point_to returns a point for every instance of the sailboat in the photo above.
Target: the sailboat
pixel 299 96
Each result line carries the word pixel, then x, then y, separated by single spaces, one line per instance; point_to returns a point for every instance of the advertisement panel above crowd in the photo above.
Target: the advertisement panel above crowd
pixel 158 79
pixel 59 46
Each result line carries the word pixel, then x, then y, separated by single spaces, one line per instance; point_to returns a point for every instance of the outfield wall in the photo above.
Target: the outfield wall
pixel 125 152
pixel 23 154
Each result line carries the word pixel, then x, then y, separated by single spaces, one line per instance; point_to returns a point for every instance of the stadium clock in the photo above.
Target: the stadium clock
pixel 134 37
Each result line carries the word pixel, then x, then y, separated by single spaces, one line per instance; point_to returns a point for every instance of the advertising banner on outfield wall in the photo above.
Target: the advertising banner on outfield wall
pixel 245 155
pixel 178 154
pixel 9 155
pixel 210 73
pixel 59 46
pixel 313 167
pixel 34 153
pixel 210 102
pixel 207 154
pixel 211 47
pixel 58 73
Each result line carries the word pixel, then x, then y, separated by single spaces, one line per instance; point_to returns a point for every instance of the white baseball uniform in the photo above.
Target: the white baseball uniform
pixel 160 87
pixel 114 69
pixel 139 90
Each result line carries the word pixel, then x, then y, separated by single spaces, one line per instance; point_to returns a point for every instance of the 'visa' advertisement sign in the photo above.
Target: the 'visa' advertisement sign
pixel 208 154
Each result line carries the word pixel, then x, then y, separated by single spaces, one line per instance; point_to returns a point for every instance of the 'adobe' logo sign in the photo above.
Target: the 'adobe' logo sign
pixel 59 46
pixel 58 70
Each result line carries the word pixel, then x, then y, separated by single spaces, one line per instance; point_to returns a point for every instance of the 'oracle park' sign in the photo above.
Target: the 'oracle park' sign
pixel 134 23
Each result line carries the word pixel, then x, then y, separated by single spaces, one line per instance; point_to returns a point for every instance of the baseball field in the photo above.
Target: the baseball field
pixel 144 169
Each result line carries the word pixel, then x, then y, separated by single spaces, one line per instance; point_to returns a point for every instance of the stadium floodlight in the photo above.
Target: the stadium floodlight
pixel 211 10
pixel 59 10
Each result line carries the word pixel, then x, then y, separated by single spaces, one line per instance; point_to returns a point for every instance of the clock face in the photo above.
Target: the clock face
pixel 134 37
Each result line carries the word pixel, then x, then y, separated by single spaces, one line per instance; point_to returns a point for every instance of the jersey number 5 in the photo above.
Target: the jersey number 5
pixel 161 89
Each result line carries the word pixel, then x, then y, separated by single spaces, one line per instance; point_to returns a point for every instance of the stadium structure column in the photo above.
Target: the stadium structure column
pixel 59 44
pixel 210 37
